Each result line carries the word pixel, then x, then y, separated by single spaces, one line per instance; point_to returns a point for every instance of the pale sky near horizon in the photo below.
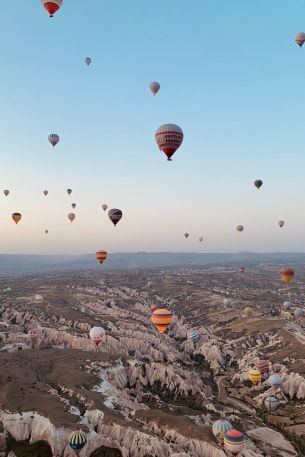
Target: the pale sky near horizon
pixel 231 77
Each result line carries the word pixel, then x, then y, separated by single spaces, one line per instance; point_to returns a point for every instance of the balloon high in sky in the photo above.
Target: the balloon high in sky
pixel 237 105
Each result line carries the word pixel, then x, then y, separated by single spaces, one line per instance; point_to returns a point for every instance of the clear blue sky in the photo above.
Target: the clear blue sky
pixel 231 76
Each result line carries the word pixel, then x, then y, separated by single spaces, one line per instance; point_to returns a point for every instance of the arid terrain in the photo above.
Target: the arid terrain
pixel 143 394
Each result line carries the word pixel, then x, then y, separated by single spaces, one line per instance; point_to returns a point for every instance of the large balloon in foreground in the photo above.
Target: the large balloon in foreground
pixel 286 274
pixel 169 138
pixel 69 191
pixel 53 139
pixel 16 217
pixel 234 441
pixel 6 192
pixel 281 223
pixel 52 6
pixel 115 215
pixel 220 428
pixel 300 39
pixel 258 183
pixel 45 193
pixel 271 403
pixel 154 87
pixel 161 319
pixel 88 61
pixel 77 440
pixel 104 207
pixel 71 217
pixel 254 376
pixel 97 335
pixel 240 228
pixel 101 256
pixel 186 235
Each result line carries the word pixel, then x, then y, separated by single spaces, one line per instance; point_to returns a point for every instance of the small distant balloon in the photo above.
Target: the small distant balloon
pixel 248 311
pixel 52 6
pixel 101 256
pixel 45 192
pixel 271 403
pixel 71 217
pixel 186 235
pixel 73 205
pixel 104 207
pixel 115 215
pixel 169 138
pixel 88 61
pixel 240 228
pixel 154 87
pixel 46 232
pixel 69 191
pixel 286 274
pixel 281 223
pixel 16 217
pixel 242 269
pixel 97 335
pixel 6 192
pixel 300 39
pixel 201 239
pixel 258 183
pixel 53 139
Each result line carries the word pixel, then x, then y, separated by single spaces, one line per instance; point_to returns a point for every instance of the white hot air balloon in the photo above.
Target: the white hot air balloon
pixel 169 138
pixel 97 335
pixel 154 87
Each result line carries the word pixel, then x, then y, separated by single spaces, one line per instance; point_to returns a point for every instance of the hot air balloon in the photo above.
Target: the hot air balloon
pixel 226 302
pixel 186 235
pixel 16 217
pixel 38 297
pixel 286 274
pixel 6 192
pixel 220 428
pixel 287 304
pixel 262 366
pixel 161 319
pixel 240 228
pixel 248 311
pixel 298 313
pixel 169 138
pixel 87 61
pixel 73 205
pixel 69 191
pixel 258 183
pixel 234 441
pixel 154 87
pixel 104 207
pixel 242 269
pixel 52 6
pixel 275 380
pixel 101 256
pixel 281 223
pixel 45 192
pixel 254 375
pixel 193 336
pixel 274 312
pixel 97 335
pixel 271 403
pixel 115 215
pixel 201 239
pixel 77 440
pixel 53 139
pixel 71 217
pixel 46 232
pixel 300 39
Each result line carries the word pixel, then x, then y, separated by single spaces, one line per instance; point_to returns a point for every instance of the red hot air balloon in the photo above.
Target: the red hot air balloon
pixel 52 6
pixel 286 274
pixel 300 39
pixel 169 138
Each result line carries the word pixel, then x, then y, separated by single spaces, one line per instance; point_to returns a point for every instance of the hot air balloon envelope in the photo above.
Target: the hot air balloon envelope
pixel 162 318
pixel 300 39
pixel 97 335
pixel 101 256
pixel 220 428
pixel 258 183
pixel 77 440
pixel 154 87
pixel 286 274
pixel 169 138
pixel 234 441
pixel 16 217
pixel 53 139
pixel 115 215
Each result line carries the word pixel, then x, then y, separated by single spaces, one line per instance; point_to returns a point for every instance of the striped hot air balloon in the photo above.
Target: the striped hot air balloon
pixel 52 6
pixel 115 215
pixel 101 256
pixel 162 318
pixel 220 428
pixel 194 336
pixel 169 138
pixel 286 274
pixel 97 335
pixel 262 366
pixel 271 403
pixel 234 441
pixel 77 440
pixel 53 139
pixel 254 375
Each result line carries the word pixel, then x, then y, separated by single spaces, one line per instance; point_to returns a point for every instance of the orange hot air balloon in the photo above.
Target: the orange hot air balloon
pixel 286 274
pixel 16 217
pixel 71 217
pixel 161 319
pixel 101 256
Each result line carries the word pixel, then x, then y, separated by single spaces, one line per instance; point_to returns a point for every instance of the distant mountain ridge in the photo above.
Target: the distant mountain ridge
pixel 139 260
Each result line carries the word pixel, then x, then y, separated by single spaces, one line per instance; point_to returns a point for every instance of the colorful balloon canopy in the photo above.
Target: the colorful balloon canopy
pixel 193 336
pixel 234 441
pixel 186 235
pixel 16 217
pixel 162 318
pixel 77 440
pixel 220 428
pixel 52 6
pixel 258 183
pixel 71 217
pixel 286 274
pixel 271 403
pixel 275 380
pixel 104 206
pixel 281 223
pixel 69 191
pixel 97 335
pixel 87 61
pixel 115 215
pixel 262 366
pixel 101 256
pixel 154 87
pixel 6 192
pixel 169 138
pixel 240 228
pixel 53 139
pixel 45 192
pixel 300 39
pixel 254 375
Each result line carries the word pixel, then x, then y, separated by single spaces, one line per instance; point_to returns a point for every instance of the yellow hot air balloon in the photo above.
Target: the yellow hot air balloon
pixel 254 375
pixel 16 217
pixel 286 274
pixel 162 318
pixel 248 311
pixel 101 256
